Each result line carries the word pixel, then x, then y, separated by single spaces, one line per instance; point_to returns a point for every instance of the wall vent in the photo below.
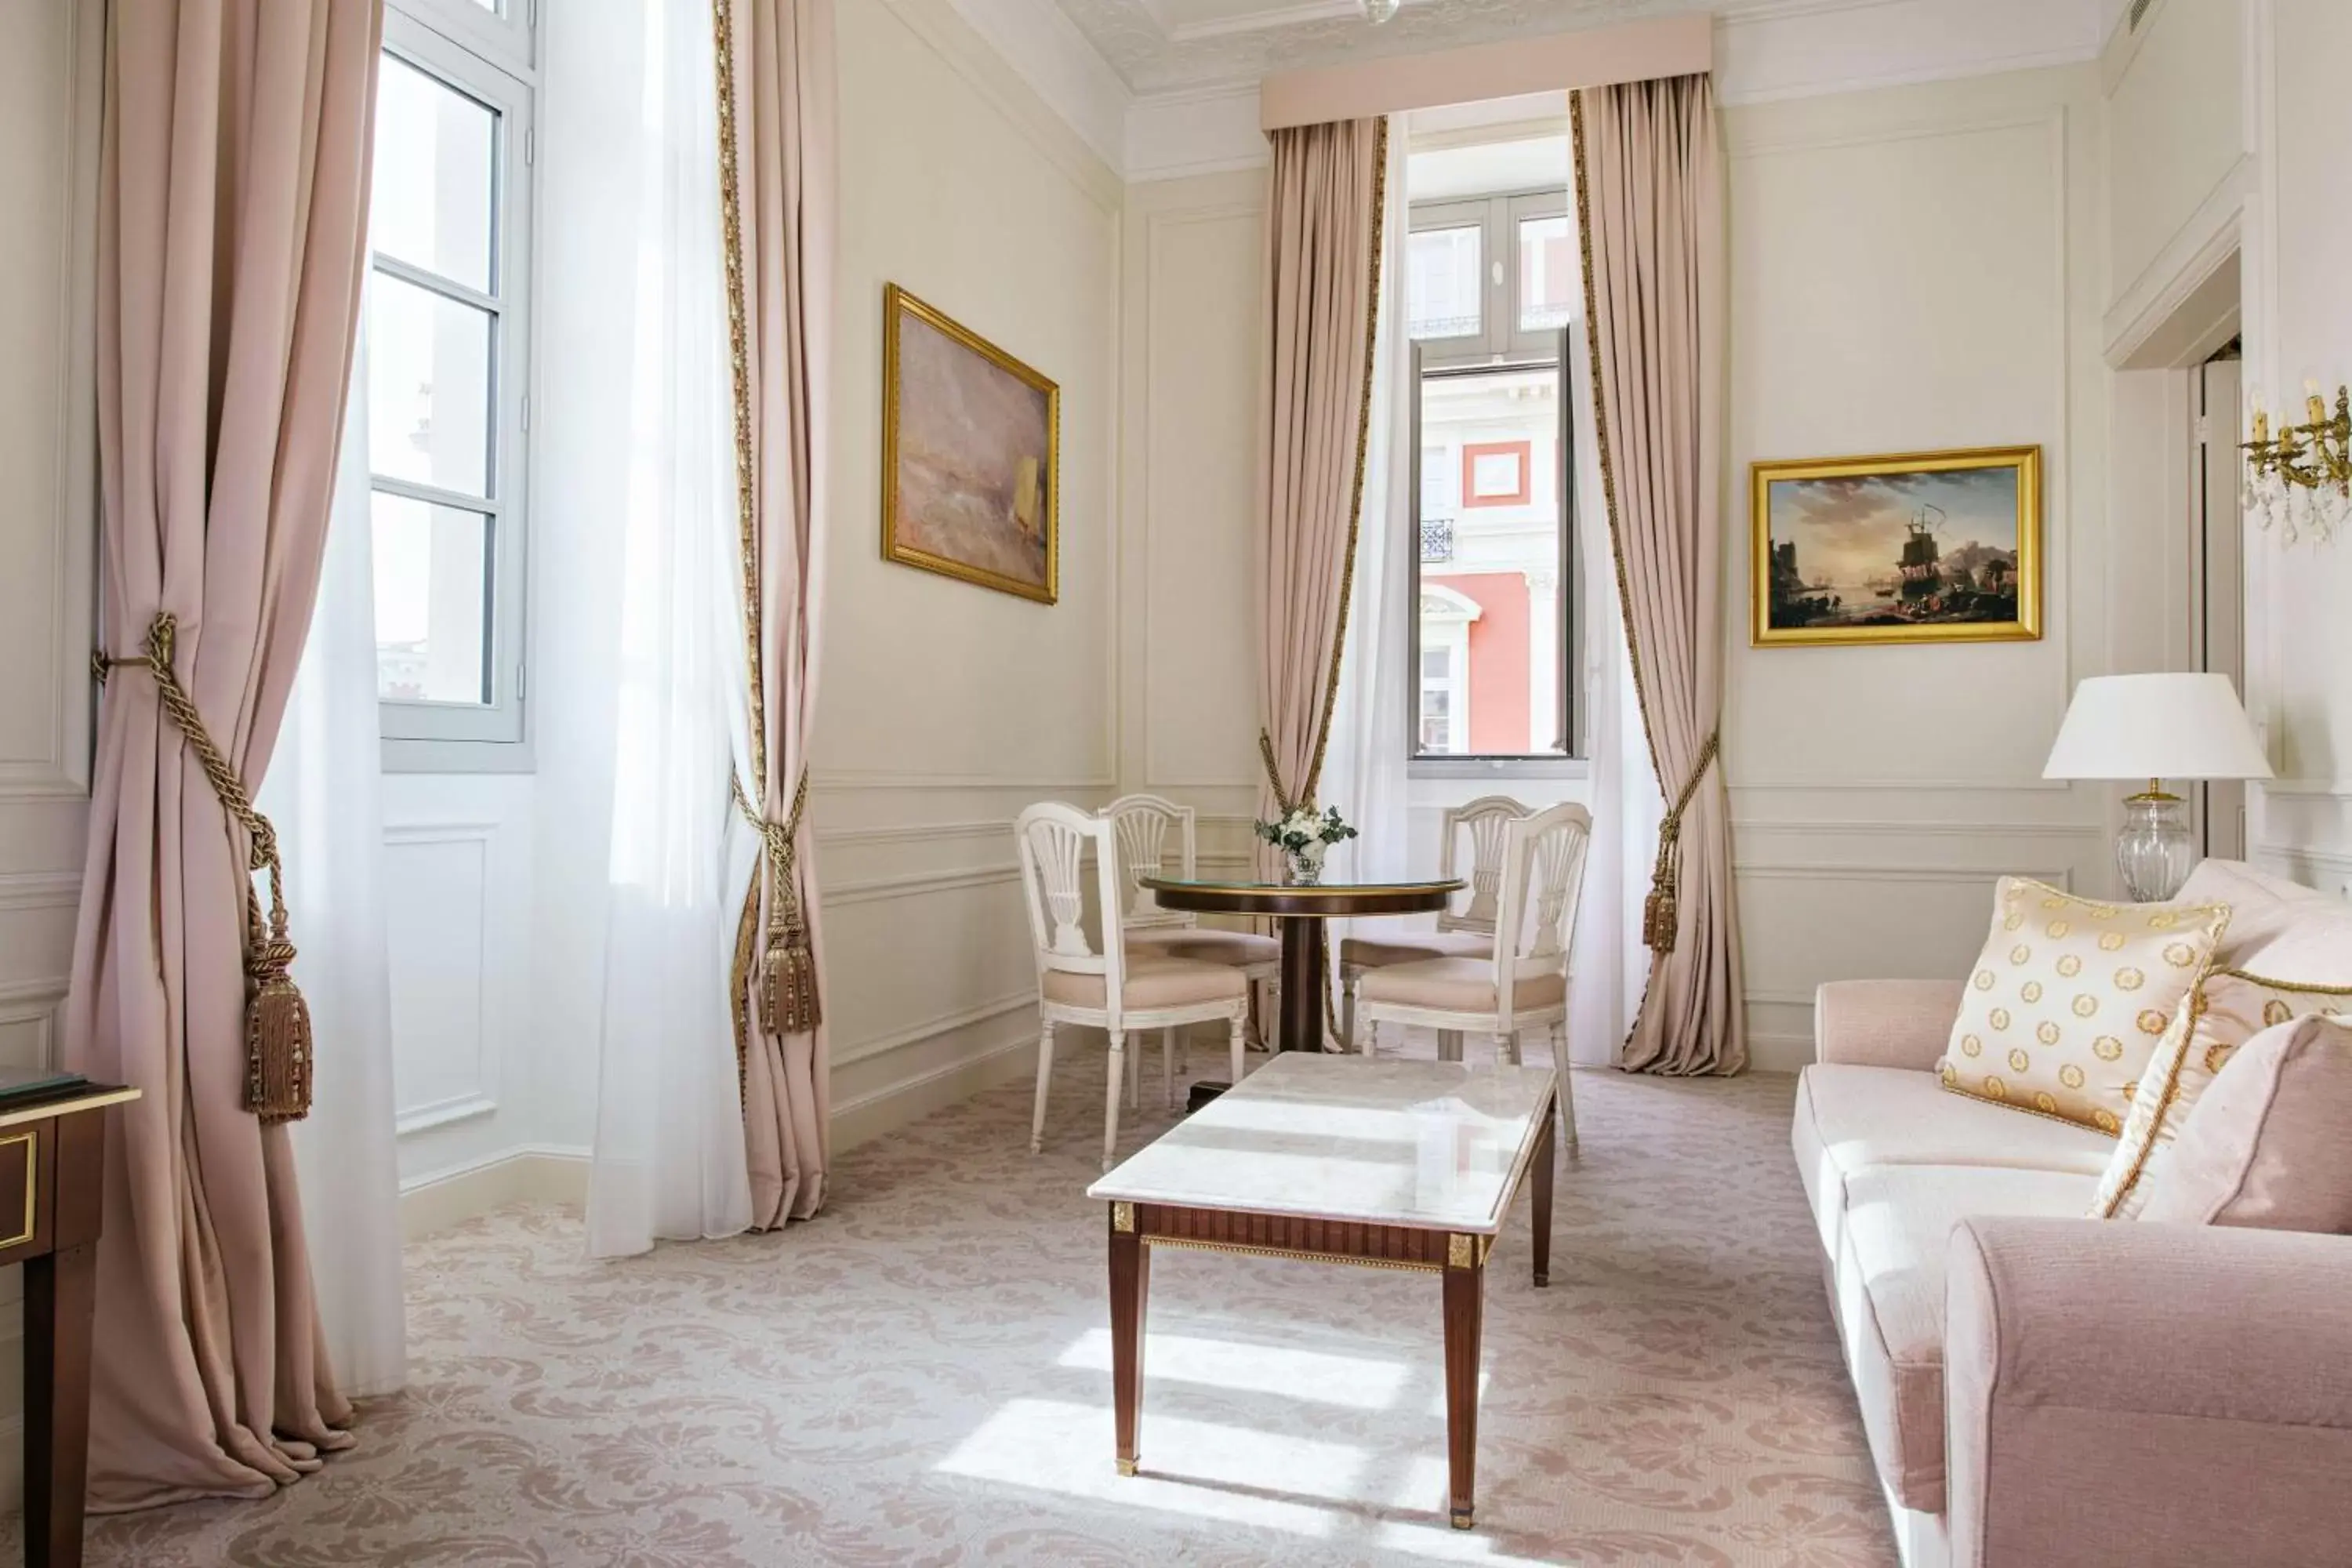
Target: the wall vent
pixel 2139 13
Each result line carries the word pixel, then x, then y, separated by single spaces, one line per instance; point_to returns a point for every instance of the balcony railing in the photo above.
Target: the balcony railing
pixel 1436 541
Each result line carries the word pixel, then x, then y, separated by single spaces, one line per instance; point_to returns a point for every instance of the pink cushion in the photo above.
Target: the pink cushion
pixel 2270 1145
pixel 2276 927
pixel 1150 982
pixel 1413 946
pixel 1459 985
pixel 1240 949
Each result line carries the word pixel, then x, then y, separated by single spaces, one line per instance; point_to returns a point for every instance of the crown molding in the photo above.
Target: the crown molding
pixel 1765 51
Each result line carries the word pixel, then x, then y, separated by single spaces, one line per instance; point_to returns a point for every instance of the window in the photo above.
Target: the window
pixel 448 348
pixel 1494 633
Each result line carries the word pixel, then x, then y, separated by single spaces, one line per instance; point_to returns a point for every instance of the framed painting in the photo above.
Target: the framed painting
pixel 971 443
pixel 1917 547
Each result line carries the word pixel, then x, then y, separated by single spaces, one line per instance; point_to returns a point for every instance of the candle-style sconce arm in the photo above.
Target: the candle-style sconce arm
pixel 2311 456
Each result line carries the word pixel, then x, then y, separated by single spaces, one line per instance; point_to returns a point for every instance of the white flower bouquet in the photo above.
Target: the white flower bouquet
pixel 1304 837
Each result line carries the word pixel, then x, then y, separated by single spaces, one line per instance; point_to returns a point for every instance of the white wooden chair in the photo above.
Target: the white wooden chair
pixel 1467 932
pixel 1146 824
pixel 1117 990
pixel 1522 983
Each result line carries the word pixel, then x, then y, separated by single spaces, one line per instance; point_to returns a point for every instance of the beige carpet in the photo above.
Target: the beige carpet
pixel 922 1376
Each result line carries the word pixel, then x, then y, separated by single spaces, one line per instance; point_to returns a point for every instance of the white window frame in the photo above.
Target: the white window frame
pixel 1499 346
pixel 486 55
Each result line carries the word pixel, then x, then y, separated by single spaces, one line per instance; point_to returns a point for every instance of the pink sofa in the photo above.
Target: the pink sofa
pixel 2043 1389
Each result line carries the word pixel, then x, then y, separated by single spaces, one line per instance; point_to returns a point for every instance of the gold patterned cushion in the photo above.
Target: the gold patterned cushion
pixel 2225 1010
pixel 2067 1002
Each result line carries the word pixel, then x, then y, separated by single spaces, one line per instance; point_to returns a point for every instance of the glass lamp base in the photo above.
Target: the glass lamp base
pixel 2155 851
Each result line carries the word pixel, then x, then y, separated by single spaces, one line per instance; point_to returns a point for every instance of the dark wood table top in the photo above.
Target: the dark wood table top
pixel 1328 901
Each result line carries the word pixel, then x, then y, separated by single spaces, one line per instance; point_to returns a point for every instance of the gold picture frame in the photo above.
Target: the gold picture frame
pixel 1907 547
pixel 965 492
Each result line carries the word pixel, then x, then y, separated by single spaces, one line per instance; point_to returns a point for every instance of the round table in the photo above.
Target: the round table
pixel 1301 911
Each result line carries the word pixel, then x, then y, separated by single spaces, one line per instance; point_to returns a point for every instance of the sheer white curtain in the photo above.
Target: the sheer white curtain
pixel 1364 759
pixel 1609 964
pixel 669 1157
pixel 324 795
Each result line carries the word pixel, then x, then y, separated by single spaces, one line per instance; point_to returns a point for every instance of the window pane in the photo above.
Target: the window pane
pixel 435 167
pixel 432 602
pixel 429 395
pixel 1548 278
pixel 1493 622
pixel 1444 270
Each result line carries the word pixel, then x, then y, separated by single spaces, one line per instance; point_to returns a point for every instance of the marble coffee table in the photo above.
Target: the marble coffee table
pixel 1394 1165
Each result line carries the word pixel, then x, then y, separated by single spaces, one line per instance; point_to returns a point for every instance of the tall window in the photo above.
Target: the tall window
pixel 1494 290
pixel 447 344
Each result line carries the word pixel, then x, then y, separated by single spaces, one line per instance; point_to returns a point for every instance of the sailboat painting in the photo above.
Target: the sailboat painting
pixel 969 439
pixel 1919 547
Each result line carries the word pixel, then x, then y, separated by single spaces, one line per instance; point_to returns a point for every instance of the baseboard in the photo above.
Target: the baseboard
pixel 885 1110
pixel 541 1173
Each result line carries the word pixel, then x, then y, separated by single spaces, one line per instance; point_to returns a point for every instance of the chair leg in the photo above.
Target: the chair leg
pixel 1045 1077
pixel 1112 1085
pixel 1168 1068
pixel 1239 1046
pixel 1449 1045
pixel 1134 1078
pixel 1507 1048
pixel 1566 1085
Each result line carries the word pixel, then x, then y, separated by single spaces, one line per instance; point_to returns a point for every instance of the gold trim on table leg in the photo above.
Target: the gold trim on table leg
pixel 1127 1467
pixel 1122 1218
pixel 1460 1251
pixel 32 1141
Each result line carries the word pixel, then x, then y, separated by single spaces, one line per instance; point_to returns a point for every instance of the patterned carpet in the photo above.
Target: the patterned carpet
pixel 922 1377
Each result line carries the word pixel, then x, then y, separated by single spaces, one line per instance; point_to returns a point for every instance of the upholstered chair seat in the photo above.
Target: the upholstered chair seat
pixel 1150 982
pixel 1414 947
pixel 1458 986
pixel 1239 948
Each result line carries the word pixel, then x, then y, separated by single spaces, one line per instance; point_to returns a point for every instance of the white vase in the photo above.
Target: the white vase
pixel 1305 865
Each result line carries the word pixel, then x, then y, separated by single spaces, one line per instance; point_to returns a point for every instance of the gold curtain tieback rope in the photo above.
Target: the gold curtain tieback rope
pixel 788 986
pixel 1661 910
pixel 277 1035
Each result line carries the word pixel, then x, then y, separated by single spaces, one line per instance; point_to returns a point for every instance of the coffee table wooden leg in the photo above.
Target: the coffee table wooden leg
pixel 1541 1218
pixel 1466 1291
pixel 1131 1284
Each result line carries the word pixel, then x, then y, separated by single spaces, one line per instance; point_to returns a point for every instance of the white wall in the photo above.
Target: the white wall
pixel 1912 269
pixel 1188 638
pixel 49 56
pixel 2299 321
pixel 943 708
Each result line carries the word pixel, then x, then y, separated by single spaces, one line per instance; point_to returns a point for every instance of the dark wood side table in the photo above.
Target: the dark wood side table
pixel 1301 912
pixel 52 1179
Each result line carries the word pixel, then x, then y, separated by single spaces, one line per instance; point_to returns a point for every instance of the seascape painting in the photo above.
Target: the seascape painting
pixel 1929 547
pixel 970 444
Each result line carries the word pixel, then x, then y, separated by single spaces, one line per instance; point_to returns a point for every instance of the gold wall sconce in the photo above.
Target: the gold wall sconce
pixel 2299 481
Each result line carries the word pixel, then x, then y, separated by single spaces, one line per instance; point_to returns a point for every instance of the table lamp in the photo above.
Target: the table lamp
pixel 2156 727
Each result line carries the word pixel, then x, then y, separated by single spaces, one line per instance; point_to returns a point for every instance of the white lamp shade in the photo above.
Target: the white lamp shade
pixel 2179 726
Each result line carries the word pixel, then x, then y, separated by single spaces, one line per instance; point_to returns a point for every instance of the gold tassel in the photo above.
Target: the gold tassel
pixel 277 1040
pixel 788 978
pixel 788 999
pixel 1661 910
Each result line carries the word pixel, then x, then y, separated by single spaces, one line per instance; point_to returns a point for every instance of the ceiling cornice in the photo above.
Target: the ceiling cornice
pixel 1764 50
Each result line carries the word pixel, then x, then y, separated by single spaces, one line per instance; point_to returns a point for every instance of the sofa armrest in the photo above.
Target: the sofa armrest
pixel 2126 1394
pixel 1885 1022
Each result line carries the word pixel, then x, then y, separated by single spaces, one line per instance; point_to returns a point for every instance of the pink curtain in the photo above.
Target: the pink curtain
pixel 1322 258
pixel 777 141
pixel 1650 185
pixel 231 247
